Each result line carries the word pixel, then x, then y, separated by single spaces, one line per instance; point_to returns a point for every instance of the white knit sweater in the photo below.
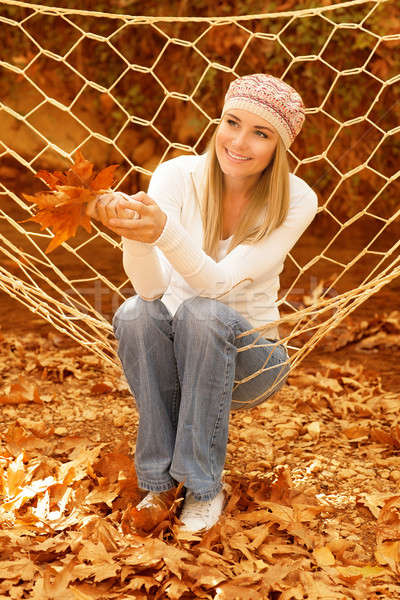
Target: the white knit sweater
pixel 175 267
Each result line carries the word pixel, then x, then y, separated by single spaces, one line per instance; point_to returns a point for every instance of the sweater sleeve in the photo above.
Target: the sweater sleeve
pixel 246 262
pixel 146 266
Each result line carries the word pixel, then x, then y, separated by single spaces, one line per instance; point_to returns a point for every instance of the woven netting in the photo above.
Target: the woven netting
pixel 138 90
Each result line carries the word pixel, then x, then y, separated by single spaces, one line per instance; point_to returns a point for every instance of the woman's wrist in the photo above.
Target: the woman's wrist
pixel 162 229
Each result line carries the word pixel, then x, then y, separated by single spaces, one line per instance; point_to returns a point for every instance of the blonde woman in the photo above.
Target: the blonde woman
pixel 204 249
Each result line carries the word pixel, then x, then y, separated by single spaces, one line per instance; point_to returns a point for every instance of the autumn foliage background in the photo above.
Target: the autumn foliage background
pixel 313 475
pixel 141 95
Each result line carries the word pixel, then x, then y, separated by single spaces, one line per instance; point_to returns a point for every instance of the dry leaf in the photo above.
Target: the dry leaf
pixel 314 429
pixel 323 556
pixel 21 392
pixel 368 571
pixel 388 553
pixel 230 591
pixel 63 209
pixel 101 388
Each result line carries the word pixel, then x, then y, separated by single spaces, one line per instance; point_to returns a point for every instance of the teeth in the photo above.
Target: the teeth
pixel 236 156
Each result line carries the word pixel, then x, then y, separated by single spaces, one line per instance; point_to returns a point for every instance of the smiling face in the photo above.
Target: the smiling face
pixel 244 144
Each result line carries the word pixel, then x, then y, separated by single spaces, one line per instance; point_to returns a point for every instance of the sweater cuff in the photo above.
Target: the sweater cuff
pixel 169 237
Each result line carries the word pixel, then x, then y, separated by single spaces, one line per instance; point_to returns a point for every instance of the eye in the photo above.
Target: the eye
pixel 232 122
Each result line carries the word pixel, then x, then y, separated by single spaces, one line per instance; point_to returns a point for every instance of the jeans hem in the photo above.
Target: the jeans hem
pixel 209 494
pixel 154 486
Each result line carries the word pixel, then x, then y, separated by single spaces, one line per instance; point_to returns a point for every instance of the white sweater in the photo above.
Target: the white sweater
pixel 175 267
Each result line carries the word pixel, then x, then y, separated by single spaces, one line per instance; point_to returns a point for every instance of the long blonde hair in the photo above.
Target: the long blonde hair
pixel 269 201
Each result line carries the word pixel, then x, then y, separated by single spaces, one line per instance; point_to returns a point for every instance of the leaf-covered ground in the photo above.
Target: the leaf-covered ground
pixel 312 477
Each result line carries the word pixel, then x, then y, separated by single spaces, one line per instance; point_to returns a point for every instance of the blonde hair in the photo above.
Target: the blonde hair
pixel 269 201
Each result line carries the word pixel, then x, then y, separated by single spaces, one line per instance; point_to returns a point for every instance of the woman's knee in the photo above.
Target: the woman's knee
pixel 137 313
pixel 128 310
pixel 200 312
pixel 246 399
pixel 248 403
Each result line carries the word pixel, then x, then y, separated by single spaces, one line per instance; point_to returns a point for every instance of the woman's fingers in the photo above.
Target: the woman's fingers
pixel 97 203
pixel 91 210
pixel 125 210
pixel 131 206
pixel 117 211
pixel 121 223
pixel 127 213
pixel 110 206
pixel 102 202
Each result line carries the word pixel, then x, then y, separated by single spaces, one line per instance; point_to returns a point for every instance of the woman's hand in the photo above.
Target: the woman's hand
pixel 137 217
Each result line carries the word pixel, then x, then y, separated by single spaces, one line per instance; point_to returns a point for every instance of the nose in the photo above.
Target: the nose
pixel 239 142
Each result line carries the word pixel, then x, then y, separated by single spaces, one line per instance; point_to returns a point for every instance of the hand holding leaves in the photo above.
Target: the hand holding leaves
pixel 137 217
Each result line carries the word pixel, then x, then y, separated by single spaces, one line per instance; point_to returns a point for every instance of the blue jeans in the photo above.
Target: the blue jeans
pixel 181 371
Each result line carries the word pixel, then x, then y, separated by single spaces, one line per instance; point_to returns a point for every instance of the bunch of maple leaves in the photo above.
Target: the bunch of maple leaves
pixel 63 208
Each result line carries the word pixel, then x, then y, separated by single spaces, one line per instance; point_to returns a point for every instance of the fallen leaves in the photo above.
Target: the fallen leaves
pixel 21 392
pixel 324 556
pixel 153 519
pixel 382 331
pixel 63 209
pixel 304 514
pixel 88 536
pixel 101 388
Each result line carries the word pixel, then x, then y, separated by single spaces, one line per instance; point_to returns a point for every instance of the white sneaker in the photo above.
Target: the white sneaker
pixel 151 500
pixel 201 514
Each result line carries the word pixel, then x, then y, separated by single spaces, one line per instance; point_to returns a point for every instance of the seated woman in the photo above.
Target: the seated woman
pixel 204 252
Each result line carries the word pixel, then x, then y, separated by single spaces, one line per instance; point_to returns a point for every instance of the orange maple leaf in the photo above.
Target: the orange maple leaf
pixel 148 519
pixel 63 208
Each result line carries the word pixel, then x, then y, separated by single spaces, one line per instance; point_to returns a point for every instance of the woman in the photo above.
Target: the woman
pixel 204 256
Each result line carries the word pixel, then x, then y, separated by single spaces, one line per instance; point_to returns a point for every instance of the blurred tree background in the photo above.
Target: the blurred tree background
pixel 98 68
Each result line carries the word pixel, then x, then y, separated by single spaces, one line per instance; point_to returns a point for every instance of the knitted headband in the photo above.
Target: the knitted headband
pixel 270 98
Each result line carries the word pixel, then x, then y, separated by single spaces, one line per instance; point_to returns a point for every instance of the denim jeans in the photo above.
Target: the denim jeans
pixel 181 371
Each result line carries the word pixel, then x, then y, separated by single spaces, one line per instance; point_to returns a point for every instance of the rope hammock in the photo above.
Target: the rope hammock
pixel 42 126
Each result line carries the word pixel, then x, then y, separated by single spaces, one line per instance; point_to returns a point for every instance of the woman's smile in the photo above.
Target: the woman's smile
pixel 236 157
